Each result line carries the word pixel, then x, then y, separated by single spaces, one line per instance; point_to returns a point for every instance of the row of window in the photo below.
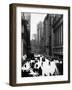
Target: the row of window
pixel 58 36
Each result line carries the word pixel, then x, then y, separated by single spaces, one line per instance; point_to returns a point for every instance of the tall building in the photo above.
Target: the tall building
pixel 53 35
pixel 25 33
pixel 39 31
pixel 34 44
pixel 58 36
pixel 47 34
pixel 39 35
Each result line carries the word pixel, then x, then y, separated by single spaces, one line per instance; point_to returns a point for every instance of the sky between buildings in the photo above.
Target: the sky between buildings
pixel 35 19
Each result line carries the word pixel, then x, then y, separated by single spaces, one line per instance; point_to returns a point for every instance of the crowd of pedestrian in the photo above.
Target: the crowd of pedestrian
pixel 39 65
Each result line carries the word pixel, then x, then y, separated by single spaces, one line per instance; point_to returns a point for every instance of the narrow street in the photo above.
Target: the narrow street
pixel 41 66
pixel 41 44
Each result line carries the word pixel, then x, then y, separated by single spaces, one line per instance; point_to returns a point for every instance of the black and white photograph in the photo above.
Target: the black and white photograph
pixel 41 44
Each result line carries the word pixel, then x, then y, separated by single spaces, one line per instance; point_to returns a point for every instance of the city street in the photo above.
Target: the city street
pixel 41 44
pixel 41 66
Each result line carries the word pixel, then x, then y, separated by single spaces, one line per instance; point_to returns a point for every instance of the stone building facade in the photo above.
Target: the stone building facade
pixel 40 36
pixel 58 36
pixel 53 35
pixel 47 34
pixel 25 33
